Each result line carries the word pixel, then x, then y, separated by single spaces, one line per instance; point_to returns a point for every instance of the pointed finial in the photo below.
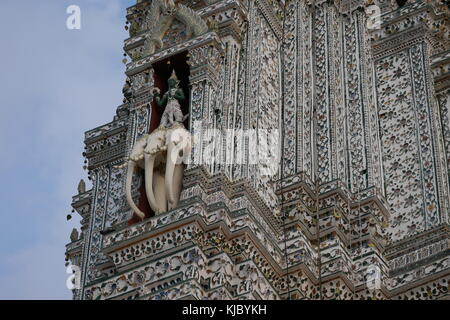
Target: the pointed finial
pixel 81 187
pixel 173 76
pixel 74 235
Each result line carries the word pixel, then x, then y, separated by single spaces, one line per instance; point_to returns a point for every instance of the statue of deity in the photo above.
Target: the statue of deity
pixel 171 100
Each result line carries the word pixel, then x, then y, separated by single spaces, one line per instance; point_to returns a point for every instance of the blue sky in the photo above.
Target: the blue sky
pixel 55 84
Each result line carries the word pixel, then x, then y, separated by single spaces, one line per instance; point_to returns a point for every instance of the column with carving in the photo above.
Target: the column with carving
pixel 413 150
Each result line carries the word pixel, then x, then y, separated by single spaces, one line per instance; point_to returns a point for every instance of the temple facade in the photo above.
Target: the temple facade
pixel 292 149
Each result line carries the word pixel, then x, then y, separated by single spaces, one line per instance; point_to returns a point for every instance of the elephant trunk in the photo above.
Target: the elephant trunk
pixel 178 148
pixel 131 168
pixel 173 178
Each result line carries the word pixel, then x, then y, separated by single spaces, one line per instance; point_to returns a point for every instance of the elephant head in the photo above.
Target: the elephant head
pixel 161 155
pixel 178 142
pixel 155 159
pixel 136 160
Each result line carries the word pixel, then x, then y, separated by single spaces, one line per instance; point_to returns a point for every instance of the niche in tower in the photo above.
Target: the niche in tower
pixel 162 71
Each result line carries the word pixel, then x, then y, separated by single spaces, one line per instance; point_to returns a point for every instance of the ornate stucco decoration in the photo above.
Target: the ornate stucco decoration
pixel 348 6
pixel 228 17
pixel 161 16
pixel 424 20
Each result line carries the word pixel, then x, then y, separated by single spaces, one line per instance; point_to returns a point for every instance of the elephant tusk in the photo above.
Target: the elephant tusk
pixel 149 166
pixel 131 167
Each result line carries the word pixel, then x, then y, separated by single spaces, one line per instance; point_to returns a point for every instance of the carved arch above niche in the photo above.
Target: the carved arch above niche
pixel 165 19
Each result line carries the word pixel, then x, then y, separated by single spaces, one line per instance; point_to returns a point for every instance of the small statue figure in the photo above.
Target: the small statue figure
pixel 134 28
pixel 74 235
pixel 126 90
pixel 172 112
pixel 81 187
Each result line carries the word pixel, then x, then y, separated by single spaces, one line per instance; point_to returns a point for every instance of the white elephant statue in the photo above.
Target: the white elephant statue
pixel 161 155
